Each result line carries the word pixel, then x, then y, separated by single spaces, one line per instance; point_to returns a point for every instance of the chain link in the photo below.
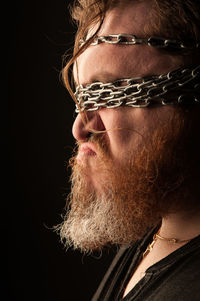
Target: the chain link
pixel 140 92
pixel 129 39
pixel 178 86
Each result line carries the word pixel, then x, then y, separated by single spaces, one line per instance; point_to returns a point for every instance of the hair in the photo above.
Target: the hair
pixel 184 23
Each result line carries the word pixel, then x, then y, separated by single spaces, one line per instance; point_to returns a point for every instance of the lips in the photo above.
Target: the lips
pixel 86 149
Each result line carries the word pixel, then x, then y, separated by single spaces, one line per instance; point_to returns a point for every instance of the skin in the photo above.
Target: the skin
pixel 106 63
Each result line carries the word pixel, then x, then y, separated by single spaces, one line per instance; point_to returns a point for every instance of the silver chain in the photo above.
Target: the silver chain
pixel 129 39
pixel 178 86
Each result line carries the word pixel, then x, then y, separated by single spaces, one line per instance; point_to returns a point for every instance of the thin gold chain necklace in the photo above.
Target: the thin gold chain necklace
pixel 173 240
pixel 157 236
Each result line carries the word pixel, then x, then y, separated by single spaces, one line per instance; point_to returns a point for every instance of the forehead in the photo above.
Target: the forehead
pixel 131 17
pixel 110 62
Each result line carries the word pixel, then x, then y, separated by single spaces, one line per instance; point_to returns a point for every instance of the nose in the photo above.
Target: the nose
pixel 83 125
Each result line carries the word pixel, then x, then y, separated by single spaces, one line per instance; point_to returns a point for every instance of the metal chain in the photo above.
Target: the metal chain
pixel 129 39
pixel 176 87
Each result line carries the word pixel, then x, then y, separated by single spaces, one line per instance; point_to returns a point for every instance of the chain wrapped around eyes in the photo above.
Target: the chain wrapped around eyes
pixel 179 86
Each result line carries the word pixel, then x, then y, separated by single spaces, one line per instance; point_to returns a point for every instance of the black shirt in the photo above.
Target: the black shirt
pixel 174 278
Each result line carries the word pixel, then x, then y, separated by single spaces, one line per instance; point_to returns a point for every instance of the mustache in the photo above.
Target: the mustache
pixel 100 140
pixel 101 145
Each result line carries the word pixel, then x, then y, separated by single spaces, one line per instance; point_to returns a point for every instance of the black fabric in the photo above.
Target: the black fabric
pixel 174 278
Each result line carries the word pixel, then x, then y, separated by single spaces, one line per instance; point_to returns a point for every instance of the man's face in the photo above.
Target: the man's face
pixel 126 128
pixel 115 177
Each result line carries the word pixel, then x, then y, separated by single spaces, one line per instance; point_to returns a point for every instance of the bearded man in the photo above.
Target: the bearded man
pixel 135 176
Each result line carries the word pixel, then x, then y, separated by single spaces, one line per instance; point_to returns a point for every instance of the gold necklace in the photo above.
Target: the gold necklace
pixel 157 236
pixel 173 240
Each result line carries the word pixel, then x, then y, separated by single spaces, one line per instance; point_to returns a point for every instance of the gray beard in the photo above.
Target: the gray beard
pixel 99 227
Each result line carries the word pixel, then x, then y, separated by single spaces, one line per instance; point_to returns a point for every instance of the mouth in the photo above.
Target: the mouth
pixel 86 150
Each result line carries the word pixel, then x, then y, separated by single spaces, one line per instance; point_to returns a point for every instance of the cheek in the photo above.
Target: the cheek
pixel 125 129
pixel 128 129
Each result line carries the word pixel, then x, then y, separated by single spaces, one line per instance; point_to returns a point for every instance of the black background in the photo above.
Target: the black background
pixel 37 114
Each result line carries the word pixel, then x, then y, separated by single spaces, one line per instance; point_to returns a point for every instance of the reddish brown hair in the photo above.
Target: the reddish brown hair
pixel 174 19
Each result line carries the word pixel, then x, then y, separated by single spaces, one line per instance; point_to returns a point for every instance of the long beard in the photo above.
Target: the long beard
pixel 134 195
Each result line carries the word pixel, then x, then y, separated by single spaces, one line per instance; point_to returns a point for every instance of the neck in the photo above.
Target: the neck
pixel 182 225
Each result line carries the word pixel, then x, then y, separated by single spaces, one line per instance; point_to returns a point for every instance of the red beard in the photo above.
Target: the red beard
pixel 156 180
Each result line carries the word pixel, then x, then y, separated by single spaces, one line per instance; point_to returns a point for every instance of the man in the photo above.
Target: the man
pixel 135 177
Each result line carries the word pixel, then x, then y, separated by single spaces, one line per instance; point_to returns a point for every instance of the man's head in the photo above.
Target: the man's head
pixel 134 165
